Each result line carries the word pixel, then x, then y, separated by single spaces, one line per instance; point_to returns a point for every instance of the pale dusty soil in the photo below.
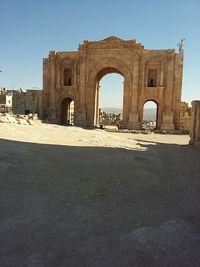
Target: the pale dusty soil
pixel 76 197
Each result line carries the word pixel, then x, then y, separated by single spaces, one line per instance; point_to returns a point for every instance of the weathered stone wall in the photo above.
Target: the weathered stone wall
pixel 27 102
pixel 154 75
pixel 185 117
pixel 195 125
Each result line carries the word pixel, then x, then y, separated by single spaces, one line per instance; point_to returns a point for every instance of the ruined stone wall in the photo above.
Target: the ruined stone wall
pixel 27 102
pixel 195 124
pixel 185 117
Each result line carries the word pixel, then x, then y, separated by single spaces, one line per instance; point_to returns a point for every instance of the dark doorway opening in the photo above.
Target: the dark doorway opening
pixel 67 112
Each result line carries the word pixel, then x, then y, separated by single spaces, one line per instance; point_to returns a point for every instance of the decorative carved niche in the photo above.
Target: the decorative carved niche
pixel 67 77
pixel 152 78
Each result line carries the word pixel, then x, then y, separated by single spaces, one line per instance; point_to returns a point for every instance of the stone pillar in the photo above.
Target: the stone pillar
pixel 97 103
pixel 126 103
pixel 81 114
pixel 58 91
pixel 74 73
pixel 58 77
pixel 45 91
pixel 195 128
pixel 161 73
pixel 178 72
pixel 167 120
pixel 91 104
pixel 169 85
pixel 133 122
pixel 168 114
pixel 142 77
pixel 51 111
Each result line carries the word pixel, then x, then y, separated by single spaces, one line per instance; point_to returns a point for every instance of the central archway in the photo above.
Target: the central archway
pixel 98 70
pixel 107 73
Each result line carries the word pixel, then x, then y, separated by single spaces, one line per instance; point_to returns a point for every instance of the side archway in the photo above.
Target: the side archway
pixel 66 111
pixel 159 112
pixel 150 115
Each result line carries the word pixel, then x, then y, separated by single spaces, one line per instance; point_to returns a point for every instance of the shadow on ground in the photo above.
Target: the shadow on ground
pixel 88 206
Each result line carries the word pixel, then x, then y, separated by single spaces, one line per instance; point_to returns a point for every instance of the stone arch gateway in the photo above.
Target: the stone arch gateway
pixel 148 74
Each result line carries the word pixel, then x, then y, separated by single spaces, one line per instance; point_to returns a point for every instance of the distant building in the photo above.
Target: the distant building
pixel 5 100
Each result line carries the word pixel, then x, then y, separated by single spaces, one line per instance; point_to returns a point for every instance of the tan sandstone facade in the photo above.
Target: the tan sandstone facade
pixel 148 75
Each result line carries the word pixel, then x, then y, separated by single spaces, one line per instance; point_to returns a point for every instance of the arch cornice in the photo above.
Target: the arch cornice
pixel 109 63
pixel 63 96
pixel 68 62
pixel 153 99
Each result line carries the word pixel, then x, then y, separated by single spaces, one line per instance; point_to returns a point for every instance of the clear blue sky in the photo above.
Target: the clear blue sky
pixel 31 28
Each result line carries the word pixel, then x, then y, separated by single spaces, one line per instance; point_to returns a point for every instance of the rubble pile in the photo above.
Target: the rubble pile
pixel 29 119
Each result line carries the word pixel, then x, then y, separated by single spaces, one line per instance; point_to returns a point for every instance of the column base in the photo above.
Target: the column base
pixel 81 118
pixel 133 126
pixel 167 121
pixel 133 123
pixel 51 115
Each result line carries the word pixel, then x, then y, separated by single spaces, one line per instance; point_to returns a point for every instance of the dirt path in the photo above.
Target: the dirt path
pixel 75 197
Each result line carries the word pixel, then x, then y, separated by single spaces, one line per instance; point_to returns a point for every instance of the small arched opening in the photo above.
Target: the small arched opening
pixel 67 112
pixel 152 78
pixel 150 115
pixel 67 77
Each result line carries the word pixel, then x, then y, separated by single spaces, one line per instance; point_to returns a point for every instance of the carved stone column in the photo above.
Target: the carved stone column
pixel 142 78
pixel 45 91
pixel 58 89
pixel 81 114
pixel 58 77
pixel 51 116
pixel 74 70
pixel 91 104
pixel 133 122
pixel 126 102
pixel 97 103
pixel 161 73
pixel 178 72
pixel 168 114
pixel 169 85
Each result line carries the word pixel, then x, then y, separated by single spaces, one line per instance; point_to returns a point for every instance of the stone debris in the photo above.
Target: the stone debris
pixel 29 119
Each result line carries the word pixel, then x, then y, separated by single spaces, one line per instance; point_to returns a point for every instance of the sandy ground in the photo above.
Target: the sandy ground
pixel 76 197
